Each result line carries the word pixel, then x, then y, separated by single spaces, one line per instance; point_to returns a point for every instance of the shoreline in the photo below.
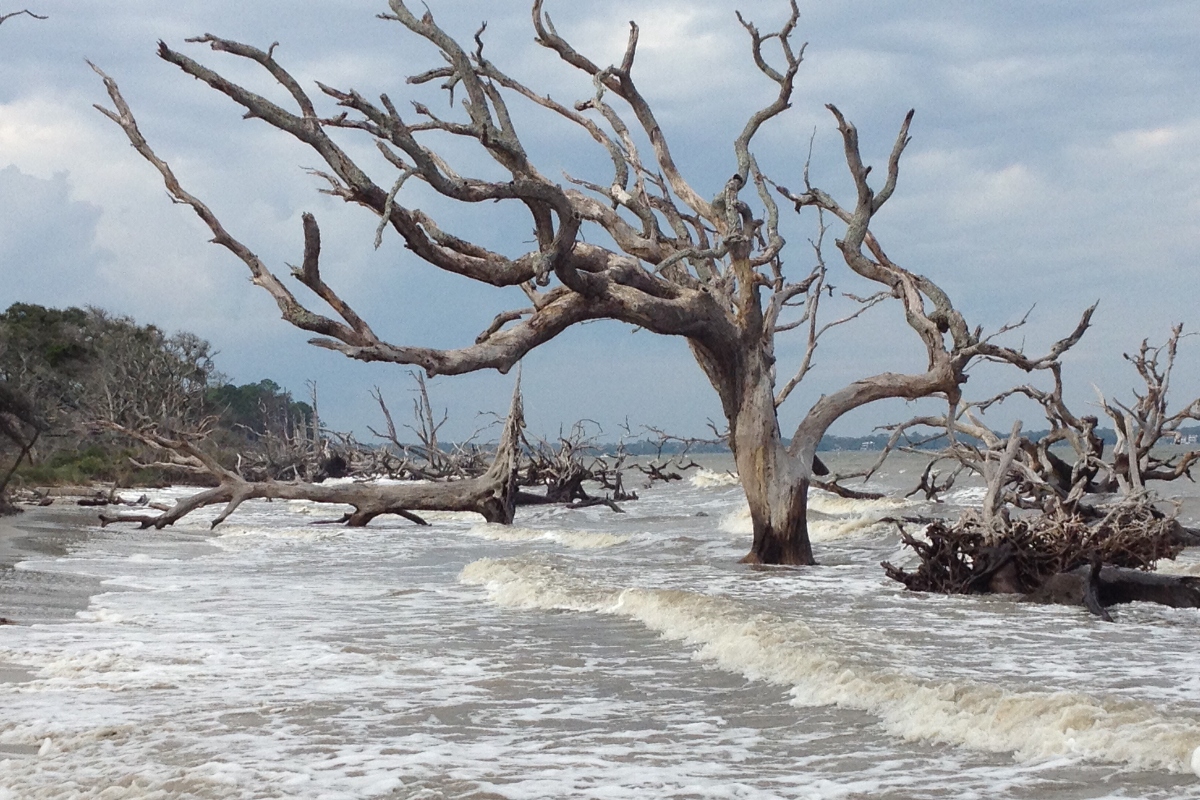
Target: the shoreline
pixel 30 596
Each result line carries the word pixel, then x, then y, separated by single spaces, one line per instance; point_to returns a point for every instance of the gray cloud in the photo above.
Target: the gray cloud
pixel 1054 161
pixel 44 233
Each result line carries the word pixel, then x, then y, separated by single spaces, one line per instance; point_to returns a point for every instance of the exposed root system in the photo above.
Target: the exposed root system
pixel 968 557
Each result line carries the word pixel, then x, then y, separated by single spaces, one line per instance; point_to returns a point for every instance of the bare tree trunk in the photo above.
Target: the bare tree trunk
pixel 776 483
pixel 703 278
pixel 997 477
pixel 778 510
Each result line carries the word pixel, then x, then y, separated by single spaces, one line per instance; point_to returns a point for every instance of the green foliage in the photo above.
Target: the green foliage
pixel 81 365
pixel 106 462
pixel 34 339
pixel 43 353
pixel 259 409
pixel 79 372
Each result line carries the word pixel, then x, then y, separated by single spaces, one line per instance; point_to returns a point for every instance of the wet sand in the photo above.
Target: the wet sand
pixel 29 596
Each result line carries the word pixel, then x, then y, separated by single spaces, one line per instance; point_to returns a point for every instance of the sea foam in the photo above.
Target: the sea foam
pixel 581 540
pixel 707 478
pixel 831 517
pixel 1033 725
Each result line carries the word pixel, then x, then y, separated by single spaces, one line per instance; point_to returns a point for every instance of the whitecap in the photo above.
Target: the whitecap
pixel 830 518
pixel 1033 725
pixel 737 522
pixel 582 540
pixel 1184 564
pixel 824 502
pixel 706 478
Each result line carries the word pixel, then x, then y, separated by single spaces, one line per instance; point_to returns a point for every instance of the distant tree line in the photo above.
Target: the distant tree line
pixel 69 377
pixel 880 441
pixel 87 396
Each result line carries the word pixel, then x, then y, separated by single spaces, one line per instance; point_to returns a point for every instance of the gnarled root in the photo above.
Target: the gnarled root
pixel 1076 560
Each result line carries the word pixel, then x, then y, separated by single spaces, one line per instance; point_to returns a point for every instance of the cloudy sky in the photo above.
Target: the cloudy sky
pixel 1055 162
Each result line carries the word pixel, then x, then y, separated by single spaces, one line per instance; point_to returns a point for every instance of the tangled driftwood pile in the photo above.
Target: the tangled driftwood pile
pixel 1095 562
pixel 966 557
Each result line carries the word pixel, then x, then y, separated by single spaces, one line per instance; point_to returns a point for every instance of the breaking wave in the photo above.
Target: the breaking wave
pixel 968 496
pixel 706 478
pixel 231 535
pixel 582 540
pixel 831 517
pixel 1033 725
pixel 828 503
pixel 737 522
pixel 1184 565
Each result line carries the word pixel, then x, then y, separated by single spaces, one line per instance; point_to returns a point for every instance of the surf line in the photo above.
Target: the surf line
pixel 1033 725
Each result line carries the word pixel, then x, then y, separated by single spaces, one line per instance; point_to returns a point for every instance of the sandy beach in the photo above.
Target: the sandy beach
pixel 29 596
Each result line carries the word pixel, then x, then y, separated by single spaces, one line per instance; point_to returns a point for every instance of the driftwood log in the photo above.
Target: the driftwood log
pixel 492 495
pixel 1097 588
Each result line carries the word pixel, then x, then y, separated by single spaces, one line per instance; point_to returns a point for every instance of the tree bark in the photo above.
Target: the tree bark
pixel 776 483
pixel 1098 589
pixel 778 511
pixel 702 278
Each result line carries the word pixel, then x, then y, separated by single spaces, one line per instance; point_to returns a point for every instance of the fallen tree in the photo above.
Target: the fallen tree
pixel 560 467
pixel 491 495
pixel 969 556
pixel 1046 559
pixel 673 262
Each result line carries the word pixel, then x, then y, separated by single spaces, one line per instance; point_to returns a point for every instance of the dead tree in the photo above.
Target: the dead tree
pixel 675 263
pixel 143 379
pixel 1053 559
pixel 673 466
pixel 1059 470
pixel 492 495
pixel 20 427
pixel 1040 530
pixel 1146 422
pixel 426 459
pixel 559 467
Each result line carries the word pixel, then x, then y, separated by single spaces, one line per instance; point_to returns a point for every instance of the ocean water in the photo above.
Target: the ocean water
pixel 581 654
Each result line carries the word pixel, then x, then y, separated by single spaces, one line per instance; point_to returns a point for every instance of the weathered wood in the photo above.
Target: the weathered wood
pixel 1110 586
pixel 775 481
pixel 93 501
pixel 1038 478
pixel 573 502
pixel 1069 561
pixel 492 495
pixel 595 501
pixel 1185 536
